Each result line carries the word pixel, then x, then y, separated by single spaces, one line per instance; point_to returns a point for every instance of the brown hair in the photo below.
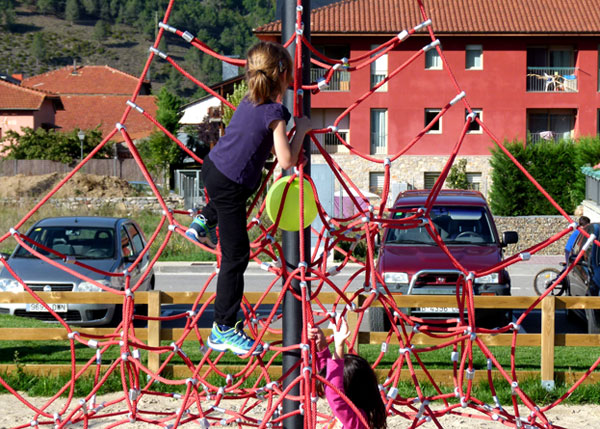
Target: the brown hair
pixel 267 62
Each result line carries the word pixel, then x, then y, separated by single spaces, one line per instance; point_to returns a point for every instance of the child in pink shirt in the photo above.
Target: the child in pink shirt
pixel 353 376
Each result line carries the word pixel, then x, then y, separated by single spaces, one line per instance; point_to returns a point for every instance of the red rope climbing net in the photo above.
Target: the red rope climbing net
pixel 259 395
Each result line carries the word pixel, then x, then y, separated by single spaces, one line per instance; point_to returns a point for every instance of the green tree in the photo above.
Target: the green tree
pixel 51 145
pixel 7 14
pixel 159 151
pixel 46 6
pixel 101 30
pixel 457 177
pixel 38 48
pixel 239 91
pixel 72 10
pixel 90 7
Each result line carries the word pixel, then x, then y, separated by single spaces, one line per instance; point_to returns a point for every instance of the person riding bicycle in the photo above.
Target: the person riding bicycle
pixel 583 221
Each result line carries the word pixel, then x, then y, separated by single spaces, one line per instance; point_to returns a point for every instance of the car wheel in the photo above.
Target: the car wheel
pixel 593 320
pixel 378 320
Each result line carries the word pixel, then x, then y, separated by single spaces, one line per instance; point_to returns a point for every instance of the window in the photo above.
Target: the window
pixel 474 180
pixel 429 178
pixel 474 127
pixel 433 61
pixel 550 125
pixel 379 70
pixel 340 81
pixel 474 57
pixel 552 69
pixel 376 181
pixel 136 238
pixel 126 247
pixel 430 115
pixel 378 131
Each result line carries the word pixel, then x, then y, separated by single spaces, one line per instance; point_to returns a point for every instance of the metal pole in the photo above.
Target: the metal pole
pixel 292 308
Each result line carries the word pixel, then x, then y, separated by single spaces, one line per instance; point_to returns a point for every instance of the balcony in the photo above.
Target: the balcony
pixel 340 81
pixel 552 79
pixel 549 136
pixel 331 143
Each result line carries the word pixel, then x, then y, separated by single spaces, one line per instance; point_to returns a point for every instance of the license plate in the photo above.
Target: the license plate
pixel 37 307
pixel 437 309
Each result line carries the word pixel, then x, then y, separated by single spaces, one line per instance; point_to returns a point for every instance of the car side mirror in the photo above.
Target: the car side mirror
pixel 509 237
pixel 377 241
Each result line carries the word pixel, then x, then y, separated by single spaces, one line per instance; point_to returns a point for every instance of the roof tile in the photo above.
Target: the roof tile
pixel 84 80
pixel 15 97
pixel 455 16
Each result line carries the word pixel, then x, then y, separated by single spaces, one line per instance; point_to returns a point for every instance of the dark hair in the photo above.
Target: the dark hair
pixel 584 220
pixel 361 387
pixel 267 63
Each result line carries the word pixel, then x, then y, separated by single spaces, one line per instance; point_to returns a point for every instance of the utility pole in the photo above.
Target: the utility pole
pixel 292 308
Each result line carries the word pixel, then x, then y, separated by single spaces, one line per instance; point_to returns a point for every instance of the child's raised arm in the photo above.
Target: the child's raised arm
pixel 339 336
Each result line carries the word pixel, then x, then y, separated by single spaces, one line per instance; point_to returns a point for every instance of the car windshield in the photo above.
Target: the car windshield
pixel 80 242
pixel 456 225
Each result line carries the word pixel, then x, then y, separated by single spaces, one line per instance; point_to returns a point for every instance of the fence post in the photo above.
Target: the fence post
pixel 154 298
pixel 548 331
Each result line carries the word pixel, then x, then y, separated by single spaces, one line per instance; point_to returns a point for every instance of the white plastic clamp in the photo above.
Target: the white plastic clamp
pixel 129 293
pixel 392 393
pixel 166 27
pixel 514 326
pixel 333 270
pixel 513 387
pixel 191 381
pixel 423 25
pixel 135 106
pixel 265 266
pixel 589 242
pixel 471 117
pixel 190 313
pixel 72 335
pixel 322 83
pixel 458 98
pixel 136 354
pixel 573 225
pixel 525 256
pixel 120 126
pixel 93 344
pixel 384 347
pixel 403 35
pixel 470 374
pixel 133 394
pixel 337 66
pixel 157 52
pixel 489 364
pixel 98 357
pixel 84 408
pixel 172 227
pixel 300 92
pixel 430 46
pixel 454 356
pixel 387 162
pixel 256 220
pixel 124 356
pixel 13 231
pixel 307 368
pixel 470 276
pixel 187 36
pixel 299 8
pixel 70 259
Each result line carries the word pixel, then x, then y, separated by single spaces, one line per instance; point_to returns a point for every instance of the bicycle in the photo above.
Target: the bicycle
pixel 546 277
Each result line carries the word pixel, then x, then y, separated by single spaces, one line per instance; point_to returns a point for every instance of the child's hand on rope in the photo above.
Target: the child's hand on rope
pixel 339 337
pixel 317 335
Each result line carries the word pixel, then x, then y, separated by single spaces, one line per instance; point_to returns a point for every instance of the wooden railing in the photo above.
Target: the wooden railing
pixel 154 334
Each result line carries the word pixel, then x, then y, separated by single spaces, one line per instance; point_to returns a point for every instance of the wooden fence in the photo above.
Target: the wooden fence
pixel 124 168
pixel 154 334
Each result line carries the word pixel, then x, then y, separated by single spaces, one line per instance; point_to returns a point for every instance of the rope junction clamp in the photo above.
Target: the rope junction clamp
pixel 322 83
pixel 459 97
pixel 525 256
pixel 120 126
pixel 403 35
pixel 135 106
pixel 167 27
pixel 471 116
pixel 432 45
pixel 155 51
pixel 187 36
pixel 423 25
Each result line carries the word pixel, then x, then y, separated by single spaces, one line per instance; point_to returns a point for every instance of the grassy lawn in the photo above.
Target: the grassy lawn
pixel 576 359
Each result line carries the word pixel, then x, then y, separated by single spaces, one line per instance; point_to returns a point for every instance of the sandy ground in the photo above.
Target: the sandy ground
pixel 89 185
pixel 15 413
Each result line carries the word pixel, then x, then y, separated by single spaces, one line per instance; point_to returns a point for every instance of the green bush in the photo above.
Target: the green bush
pixel 555 166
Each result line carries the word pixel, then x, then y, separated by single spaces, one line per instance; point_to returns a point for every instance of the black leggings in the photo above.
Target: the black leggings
pixel 227 208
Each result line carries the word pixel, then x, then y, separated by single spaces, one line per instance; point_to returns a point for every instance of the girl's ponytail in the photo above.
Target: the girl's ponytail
pixel 267 64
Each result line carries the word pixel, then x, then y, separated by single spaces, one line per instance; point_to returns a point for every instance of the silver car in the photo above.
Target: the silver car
pixel 107 244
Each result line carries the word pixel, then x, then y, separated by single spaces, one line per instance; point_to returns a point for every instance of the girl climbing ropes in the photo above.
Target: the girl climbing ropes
pixel 351 375
pixel 232 173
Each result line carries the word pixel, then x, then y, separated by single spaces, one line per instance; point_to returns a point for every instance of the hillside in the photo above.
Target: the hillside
pixel 119 34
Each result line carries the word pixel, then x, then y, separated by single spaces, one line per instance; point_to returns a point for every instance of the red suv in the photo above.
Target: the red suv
pixel 411 263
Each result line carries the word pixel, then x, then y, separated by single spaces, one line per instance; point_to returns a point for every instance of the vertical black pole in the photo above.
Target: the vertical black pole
pixel 292 308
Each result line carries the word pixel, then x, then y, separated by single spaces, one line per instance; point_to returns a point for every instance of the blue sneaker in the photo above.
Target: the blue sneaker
pixel 234 339
pixel 201 232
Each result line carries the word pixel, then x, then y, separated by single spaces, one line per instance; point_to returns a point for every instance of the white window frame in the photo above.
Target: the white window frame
pixel 436 64
pixel 433 131
pixel 379 149
pixel 376 181
pixel 474 48
pixel 430 176
pixel 479 113
pixel 379 67
pixel 474 180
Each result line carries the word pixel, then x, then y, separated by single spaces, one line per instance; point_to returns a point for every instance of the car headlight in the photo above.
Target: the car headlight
pixel 10 285
pixel 395 278
pixel 89 287
pixel 490 278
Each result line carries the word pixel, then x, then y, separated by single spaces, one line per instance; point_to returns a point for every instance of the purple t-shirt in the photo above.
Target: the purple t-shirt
pixel 241 153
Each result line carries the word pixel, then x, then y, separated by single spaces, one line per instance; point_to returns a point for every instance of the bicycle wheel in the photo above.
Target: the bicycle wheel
pixel 544 279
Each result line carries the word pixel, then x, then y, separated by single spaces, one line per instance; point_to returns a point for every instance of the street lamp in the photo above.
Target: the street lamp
pixel 81 136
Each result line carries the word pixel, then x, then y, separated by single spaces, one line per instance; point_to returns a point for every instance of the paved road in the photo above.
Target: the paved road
pixel 191 276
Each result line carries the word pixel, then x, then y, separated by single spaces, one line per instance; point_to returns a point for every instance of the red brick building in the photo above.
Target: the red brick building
pixel 528 68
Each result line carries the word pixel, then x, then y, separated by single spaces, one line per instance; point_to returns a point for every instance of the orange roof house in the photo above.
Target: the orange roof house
pixel 26 107
pixel 96 96
pixel 87 80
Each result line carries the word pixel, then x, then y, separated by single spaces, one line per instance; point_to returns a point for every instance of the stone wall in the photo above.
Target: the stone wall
pixel 124 205
pixel 532 230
